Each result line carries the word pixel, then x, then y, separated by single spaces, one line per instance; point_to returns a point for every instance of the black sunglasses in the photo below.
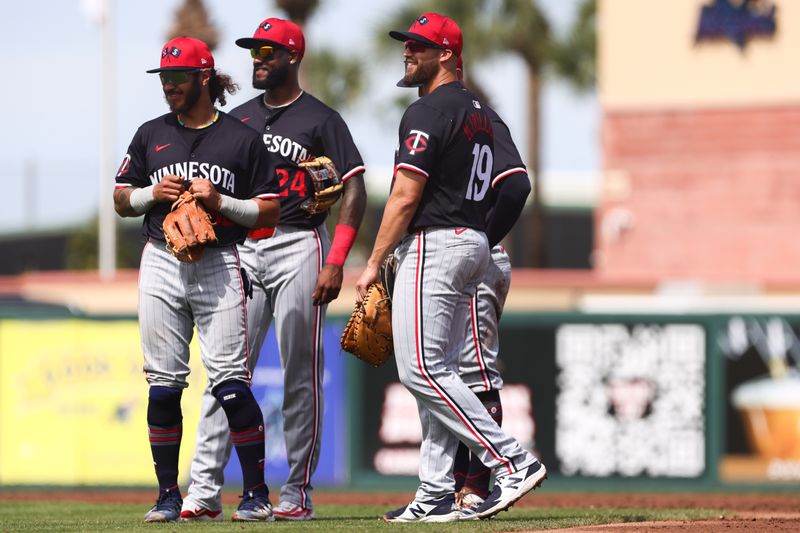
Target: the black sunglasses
pixel 176 77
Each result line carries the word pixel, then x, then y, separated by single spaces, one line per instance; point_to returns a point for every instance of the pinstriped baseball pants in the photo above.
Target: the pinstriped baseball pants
pixel 283 270
pixel 439 270
pixel 174 297
pixel 478 362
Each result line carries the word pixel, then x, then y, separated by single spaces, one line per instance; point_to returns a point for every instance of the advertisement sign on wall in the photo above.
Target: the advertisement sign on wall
pixel 590 400
pixel 73 404
pixel 761 400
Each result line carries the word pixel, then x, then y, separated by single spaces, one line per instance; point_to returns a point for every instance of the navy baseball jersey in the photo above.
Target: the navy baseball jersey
pixel 294 132
pixel 507 160
pixel 227 153
pixel 447 137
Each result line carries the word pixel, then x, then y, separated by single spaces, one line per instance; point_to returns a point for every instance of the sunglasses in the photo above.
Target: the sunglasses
pixel 262 52
pixel 176 77
pixel 416 47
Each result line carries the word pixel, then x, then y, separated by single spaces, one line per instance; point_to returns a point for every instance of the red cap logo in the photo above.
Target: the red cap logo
pixel 434 30
pixel 284 33
pixel 185 53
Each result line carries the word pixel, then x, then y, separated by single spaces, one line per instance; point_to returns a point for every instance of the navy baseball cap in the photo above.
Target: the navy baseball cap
pixel 185 53
pixel 277 31
pixel 434 30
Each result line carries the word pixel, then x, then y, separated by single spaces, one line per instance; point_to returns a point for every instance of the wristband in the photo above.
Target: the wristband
pixel 243 212
pixel 142 200
pixel 342 242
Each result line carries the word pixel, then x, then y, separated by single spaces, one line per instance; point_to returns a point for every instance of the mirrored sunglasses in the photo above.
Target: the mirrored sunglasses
pixel 263 52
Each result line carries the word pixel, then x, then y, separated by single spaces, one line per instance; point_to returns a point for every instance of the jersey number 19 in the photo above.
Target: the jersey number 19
pixel 481 174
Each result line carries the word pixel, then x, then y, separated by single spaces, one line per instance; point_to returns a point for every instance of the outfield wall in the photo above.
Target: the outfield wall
pixel 633 400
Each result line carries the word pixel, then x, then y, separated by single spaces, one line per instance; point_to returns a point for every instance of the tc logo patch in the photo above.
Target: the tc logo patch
pixel 417 141
pixel 267 26
pixel 422 20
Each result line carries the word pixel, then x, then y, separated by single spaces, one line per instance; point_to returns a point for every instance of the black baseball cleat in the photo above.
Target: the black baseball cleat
pixel 443 509
pixel 254 507
pixel 509 489
pixel 167 507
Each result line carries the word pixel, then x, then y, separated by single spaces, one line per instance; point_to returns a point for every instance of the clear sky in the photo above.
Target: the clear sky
pixel 52 93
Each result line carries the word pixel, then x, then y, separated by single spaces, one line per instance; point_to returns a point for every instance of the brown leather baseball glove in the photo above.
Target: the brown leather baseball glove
pixel 188 229
pixel 328 185
pixel 368 333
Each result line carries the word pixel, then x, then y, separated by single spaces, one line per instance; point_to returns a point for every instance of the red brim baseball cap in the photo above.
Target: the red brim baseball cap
pixel 185 53
pixel 434 30
pixel 275 31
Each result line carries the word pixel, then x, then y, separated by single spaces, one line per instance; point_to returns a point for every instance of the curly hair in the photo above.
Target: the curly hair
pixel 219 84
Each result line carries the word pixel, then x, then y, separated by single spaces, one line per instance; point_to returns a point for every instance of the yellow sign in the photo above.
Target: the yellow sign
pixel 73 404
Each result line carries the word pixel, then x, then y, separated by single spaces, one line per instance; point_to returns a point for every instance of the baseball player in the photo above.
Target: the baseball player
pixel 437 209
pixel 478 362
pixel 296 271
pixel 222 163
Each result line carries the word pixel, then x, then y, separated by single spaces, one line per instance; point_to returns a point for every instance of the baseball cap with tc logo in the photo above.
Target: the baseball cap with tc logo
pixel 435 30
pixel 185 53
pixel 275 31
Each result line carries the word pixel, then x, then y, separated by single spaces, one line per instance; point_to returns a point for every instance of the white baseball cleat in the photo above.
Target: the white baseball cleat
pixel 510 488
pixel 443 509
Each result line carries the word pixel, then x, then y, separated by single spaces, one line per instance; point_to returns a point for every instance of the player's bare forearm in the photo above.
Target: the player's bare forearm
pixel 354 202
pixel 268 212
pixel 122 202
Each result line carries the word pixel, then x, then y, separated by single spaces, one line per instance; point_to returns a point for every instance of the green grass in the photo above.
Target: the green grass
pixel 74 516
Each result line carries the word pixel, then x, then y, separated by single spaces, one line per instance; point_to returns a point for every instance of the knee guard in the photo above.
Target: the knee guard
pixel 164 407
pixel 239 404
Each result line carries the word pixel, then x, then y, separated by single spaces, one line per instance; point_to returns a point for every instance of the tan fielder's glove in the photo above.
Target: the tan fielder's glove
pixel 368 333
pixel 328 185
pixel 188 229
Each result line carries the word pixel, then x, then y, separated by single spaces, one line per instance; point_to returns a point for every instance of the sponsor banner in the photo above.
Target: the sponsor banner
pixel 73 404
pixel 761 400
pixel 630 400
pixel 590 400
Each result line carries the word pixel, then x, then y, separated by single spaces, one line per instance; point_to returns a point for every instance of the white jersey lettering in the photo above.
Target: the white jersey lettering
pixel 278 144
pixel 194 170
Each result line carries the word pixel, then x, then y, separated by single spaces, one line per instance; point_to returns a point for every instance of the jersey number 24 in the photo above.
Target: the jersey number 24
pixel 298 183
pixel 481 175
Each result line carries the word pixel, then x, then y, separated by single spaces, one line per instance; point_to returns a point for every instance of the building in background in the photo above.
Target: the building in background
pixel 700 141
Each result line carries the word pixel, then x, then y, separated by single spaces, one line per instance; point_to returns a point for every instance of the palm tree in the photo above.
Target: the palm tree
pixel 520 27
pixel 191 20
pixel 298 11
pixel 335 80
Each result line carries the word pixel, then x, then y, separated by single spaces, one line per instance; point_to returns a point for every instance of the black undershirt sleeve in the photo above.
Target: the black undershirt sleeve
pixel 511 196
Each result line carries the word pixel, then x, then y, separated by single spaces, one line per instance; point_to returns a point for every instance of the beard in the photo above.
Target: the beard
pixel 190 98
pixel 275 78
pixel 424 72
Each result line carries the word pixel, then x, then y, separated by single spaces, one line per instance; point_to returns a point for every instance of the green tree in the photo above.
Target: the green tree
pixel 519 27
